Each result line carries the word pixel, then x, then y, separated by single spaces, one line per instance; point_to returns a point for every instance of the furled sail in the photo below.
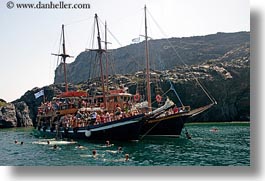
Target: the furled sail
pixel 168 104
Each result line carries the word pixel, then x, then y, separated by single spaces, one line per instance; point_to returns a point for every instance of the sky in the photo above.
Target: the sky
pixel 29 36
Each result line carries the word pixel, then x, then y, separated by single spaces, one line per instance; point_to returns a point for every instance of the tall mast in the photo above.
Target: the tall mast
pixel 147 65
pixel 106 47
pixel 64 56
pixel 64 59
pixel 100 51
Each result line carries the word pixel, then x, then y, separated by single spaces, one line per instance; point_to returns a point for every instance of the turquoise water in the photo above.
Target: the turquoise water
pixel 228 145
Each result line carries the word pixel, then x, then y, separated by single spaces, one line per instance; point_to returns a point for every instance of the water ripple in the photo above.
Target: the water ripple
pixel 229 145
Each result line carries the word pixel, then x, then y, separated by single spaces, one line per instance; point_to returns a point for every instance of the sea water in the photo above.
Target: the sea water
pixel 212 144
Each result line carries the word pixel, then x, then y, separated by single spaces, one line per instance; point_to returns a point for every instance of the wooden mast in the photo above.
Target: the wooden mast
pixel 147 65
pixel 64 56
pixel 100 51
pixel 64 59
pixel 106 47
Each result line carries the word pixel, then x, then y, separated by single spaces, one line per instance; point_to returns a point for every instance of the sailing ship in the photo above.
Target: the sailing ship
pixel 77 115
pixel 168 120
pixel 81 116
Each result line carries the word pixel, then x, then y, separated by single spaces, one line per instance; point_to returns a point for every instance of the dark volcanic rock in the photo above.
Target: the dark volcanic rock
pixel 22 114
pixel 8 116
pixel 221 62
pixel 163 56
pixel 14 115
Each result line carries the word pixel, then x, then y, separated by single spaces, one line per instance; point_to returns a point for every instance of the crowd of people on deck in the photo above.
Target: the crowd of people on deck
pixel 61 104
pixel 85 117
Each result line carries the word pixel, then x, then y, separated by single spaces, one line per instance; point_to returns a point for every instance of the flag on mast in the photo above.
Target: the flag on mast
pixel 38 94
pixel 136 40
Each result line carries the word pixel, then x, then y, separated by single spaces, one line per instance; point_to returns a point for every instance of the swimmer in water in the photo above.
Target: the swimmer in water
pixel 188 135
pixel 108 144
pixel 94 153
pixel 16 142
pixel 214 130
pixel 21 143
pixel 126 157
pixel 80 147
pixel 119 149
pixel 48 142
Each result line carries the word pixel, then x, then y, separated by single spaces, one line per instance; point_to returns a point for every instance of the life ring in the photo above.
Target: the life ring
pixel 136 97
pixel 88 133
pixel 158 98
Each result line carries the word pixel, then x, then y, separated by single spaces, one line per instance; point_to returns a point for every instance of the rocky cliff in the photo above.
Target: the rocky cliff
pixel 165 54
pixel 221 62
pixel 14 115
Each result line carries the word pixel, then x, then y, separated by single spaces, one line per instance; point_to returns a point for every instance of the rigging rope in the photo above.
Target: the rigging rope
pixel 149 130
pixel 206 91
pixel 120 44
pixel 61 37
pixel 180 58
pixel 173 89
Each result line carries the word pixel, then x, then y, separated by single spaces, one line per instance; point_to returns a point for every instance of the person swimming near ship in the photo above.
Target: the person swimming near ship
pixel 94 153
pixel 108 144
pixel 214 130
pixel 126 157
pixel 55 147
pixel 16 142
pixel 80 147
pixel 119 149
pixel 188 136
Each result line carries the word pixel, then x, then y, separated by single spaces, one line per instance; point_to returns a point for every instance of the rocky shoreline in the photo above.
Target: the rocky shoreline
pixel 14 115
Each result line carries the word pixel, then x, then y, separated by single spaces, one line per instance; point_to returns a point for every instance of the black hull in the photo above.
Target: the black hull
pixel 169 126
pixel 121 130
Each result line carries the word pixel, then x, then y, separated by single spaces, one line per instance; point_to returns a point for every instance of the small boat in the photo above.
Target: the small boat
pixel 77 115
